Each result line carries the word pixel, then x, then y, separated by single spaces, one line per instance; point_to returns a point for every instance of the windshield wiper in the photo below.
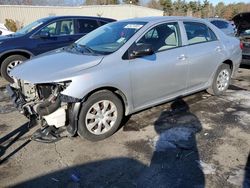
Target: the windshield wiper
pixel 87 48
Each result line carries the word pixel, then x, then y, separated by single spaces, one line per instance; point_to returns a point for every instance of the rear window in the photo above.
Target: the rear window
pixel 220 24
pixel 198 33
pixel 86 26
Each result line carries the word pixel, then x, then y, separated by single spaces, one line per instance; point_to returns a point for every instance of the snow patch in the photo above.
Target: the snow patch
pixel 206 168
pixel 173 138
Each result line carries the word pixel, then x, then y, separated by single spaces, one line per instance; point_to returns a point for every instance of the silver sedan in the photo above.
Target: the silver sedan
pixel 121 68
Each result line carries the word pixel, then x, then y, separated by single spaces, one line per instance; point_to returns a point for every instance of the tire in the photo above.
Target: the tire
pixel 7 62
pixel 221 80
pixel 91 122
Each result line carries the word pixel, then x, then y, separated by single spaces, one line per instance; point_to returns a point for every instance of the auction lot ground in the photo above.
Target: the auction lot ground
pixel 203 141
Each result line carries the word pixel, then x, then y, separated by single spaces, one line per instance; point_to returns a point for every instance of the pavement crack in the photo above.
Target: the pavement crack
pixel 63 164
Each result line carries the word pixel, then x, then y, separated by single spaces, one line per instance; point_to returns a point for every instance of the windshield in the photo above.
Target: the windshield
pixel 110 37
pixel 30 27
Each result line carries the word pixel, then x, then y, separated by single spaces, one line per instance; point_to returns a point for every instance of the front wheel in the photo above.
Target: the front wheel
pixel 8 64
pixel 221 80
pixel 100 116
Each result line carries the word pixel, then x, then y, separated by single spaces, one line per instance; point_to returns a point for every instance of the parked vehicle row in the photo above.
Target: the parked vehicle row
pixel 119 69
pixel 42 36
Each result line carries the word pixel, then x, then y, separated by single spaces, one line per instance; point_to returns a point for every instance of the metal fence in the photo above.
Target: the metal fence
pixel 27 14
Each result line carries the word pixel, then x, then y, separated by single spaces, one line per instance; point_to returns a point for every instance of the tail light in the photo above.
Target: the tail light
pixel 241 45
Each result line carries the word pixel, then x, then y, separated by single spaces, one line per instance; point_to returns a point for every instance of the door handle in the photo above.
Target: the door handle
pixel 218 49
pixel 182 57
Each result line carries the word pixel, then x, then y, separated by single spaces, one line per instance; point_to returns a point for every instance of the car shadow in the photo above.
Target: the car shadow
pixel 8 140
pixel 174 163
pixel 246 182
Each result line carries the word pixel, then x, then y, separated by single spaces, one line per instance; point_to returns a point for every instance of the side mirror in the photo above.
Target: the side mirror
pixel 43 35
pixel 141 50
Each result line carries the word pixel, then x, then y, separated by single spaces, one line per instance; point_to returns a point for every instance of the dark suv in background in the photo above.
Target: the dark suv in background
pixel 44 35
pixel 242 21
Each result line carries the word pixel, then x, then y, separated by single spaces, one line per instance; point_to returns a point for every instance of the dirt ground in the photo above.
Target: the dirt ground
pixel 199 141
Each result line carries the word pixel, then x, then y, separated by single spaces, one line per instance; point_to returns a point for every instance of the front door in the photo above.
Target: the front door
pixel 162 75
pixel 60 33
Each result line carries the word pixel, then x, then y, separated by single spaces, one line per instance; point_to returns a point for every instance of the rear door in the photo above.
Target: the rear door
pixel 204 53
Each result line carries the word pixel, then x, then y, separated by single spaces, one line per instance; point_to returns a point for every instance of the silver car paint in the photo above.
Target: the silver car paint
pixel 145 81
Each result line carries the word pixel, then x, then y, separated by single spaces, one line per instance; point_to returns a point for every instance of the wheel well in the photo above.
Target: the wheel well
pixel 230 63
pixel 114 90
pixel 3 57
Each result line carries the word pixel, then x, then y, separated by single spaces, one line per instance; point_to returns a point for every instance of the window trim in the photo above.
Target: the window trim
pixel 194 21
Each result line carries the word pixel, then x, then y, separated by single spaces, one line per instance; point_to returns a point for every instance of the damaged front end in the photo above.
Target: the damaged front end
pixel 45 103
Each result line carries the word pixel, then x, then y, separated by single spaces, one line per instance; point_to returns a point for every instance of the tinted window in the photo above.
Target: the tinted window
pixel 198 32
pixel 220 24
pixel 162 37
pixel 63 27
pixel 86 26
pixel 102 22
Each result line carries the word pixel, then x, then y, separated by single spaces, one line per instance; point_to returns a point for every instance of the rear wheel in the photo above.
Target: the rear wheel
pixel 221 80
pixel 100 116
pixel 9 63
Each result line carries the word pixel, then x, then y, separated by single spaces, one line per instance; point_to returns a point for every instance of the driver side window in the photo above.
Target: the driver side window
pixel 51 29
pixel 162 37
pixel 59 28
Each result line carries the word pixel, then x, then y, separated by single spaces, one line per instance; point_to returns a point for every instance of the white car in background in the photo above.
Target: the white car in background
pixel 4 30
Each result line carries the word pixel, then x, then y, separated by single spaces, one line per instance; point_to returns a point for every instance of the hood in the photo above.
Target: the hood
pixel 8 37
pixel 242 21
pixel 54 66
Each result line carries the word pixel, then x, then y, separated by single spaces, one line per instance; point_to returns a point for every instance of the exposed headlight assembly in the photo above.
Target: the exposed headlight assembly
pixel 66 98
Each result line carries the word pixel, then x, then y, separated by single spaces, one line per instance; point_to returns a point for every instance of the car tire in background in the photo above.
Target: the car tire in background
pixel 9 63
pixel 221 80
pixel 100 116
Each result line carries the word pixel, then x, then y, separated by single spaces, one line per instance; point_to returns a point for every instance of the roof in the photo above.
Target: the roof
pixel 221 19
pixel 85 17
pixel 161 18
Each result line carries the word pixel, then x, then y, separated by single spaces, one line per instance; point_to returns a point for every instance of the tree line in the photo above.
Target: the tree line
pixel 202 9
pixel 198 8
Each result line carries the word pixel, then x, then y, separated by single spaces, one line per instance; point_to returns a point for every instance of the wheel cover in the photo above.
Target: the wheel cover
pixel 13 64
pixel 101 117
pixel 223 80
